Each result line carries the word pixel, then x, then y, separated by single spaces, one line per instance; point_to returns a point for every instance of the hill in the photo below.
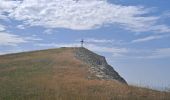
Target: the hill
pixel 66 74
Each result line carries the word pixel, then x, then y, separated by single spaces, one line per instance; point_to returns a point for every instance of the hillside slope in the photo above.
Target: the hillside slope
pixel 98 65
pixel 64 74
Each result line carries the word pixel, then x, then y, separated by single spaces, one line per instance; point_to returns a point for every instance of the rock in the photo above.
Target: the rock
pixel 98 65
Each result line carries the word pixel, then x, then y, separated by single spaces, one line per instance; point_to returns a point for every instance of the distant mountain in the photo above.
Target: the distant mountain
pixel 66 74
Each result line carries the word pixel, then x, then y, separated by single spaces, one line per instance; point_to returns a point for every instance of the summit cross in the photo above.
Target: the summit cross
pixel 82 42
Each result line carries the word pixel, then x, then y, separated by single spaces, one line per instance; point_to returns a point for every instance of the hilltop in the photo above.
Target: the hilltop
pixel 66 74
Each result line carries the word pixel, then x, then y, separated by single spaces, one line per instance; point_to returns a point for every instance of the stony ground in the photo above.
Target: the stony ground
pixel 98 65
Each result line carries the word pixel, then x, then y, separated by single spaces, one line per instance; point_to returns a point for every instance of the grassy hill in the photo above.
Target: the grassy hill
pixel 56 74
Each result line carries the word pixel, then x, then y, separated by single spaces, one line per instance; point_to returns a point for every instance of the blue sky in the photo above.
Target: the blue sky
pixel 133 35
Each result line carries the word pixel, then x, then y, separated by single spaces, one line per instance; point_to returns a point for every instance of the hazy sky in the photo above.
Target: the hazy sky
pixel 134 35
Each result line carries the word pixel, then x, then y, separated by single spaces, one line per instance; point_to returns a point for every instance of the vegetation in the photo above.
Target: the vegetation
pixel 57 75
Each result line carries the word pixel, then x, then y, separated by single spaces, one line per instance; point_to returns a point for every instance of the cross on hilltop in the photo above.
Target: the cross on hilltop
pixel 82 42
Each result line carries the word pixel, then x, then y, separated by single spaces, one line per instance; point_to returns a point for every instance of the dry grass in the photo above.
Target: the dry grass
pixel 57 75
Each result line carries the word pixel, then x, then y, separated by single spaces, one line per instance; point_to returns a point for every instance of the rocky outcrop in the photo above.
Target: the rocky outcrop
pixel 98 65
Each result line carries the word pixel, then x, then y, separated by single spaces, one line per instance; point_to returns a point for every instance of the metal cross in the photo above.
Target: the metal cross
pixel 82 42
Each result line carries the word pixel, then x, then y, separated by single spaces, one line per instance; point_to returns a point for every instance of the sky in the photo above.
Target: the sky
pixel 133 35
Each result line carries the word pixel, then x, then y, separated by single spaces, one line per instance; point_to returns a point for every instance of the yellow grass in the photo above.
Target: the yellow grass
pixel 57 75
